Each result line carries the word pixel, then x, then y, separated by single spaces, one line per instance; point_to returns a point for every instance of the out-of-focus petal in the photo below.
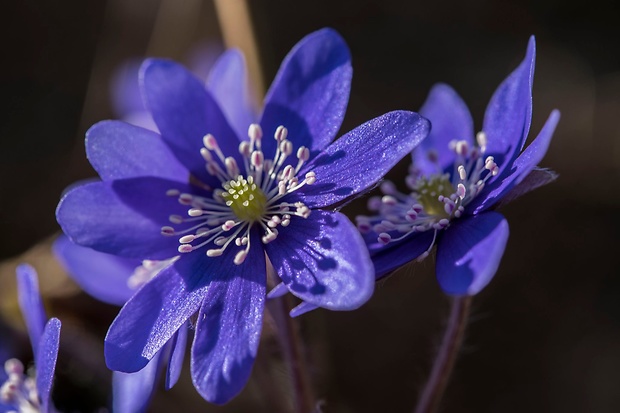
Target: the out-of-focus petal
pixel 103 276
pixel 469 253
pixel 228 328
pixel 228 83
pixel 177 354
pixel 45 361
pixel 123 217
pixel 450 120
pixel 184 113
pixel 323 260
pixel 119 150
pixel 132 391
pixel 509 113
pixel 521 167
pixel 31 304
pixel 150 318
pixel 310 93
pixel 361 157
pixel 535 179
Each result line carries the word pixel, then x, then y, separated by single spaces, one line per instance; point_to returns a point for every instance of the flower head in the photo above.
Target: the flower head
pixel 229 205
pixel 455 179
pixel 30 393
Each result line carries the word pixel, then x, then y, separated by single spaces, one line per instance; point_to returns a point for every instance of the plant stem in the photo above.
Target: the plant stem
pixel 444 362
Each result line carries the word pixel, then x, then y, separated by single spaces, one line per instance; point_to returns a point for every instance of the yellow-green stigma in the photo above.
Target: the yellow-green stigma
pixel 245 198
pixel 429 189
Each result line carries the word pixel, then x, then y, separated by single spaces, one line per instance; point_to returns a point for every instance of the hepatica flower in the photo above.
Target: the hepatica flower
pixel 228 205
pixel 455 180
pixel 30 393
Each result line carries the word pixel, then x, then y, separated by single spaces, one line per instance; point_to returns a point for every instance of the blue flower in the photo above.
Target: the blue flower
pixel 456 180
pixel 114 280
pixel 229 206
pixel 20 392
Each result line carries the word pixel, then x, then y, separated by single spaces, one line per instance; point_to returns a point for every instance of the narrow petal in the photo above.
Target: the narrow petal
pixel 102 276
pixel 119 150
pixel 509 113
pixel 45 361
pixel 469 253
pixel 278 291
pixel 184 113
pixel 535 179
pixel 392 256
pixel 132 391
pixel 363 156
pixel 151 317
pixel 323 260
pixel 177 354
pixel 450 120
pixel 228 328
pixel 228 83
pixel 123 217
pixel 520 169
pixel 303 308
pixel 310 93
pixel 31 304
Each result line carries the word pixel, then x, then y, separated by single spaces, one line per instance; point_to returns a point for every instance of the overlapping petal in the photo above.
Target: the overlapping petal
pixel 101 275
pixel 119 150
pixel 469 253
pixel 31 305
pixel 185 112
pixel 151 317
pixel 228 328
pixel 310 93
pixel 123 217
pixel 132 391
pixel 323 260
pixel 228 83
pixel 509 113
pixel 45 360
pixel 450 120
pixel 363 156
pixel 177 354
pixel 390 259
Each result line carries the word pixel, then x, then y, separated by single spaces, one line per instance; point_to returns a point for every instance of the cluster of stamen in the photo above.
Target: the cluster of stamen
pixel 434 200
pixel 19 390
pixel 245 199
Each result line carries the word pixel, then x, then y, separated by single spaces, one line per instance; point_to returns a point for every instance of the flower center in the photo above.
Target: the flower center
pixel 245 198
pixel 19 390
pixel 255 197
pixel 434 200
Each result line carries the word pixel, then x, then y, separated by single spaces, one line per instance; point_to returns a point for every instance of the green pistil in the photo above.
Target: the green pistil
pixel 429 189
pixel 245 198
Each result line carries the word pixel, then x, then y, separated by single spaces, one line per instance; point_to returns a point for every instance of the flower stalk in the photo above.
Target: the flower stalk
pixel 444 362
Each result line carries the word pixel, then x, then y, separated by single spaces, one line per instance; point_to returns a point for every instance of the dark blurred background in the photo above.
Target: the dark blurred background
pixel 545 334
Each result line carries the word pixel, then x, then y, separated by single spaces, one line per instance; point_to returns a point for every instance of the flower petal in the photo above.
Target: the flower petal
pixel 394 255
pixel 469 253
pixel 361 157
pixel 228 83
pixel 228 328
pixel 535 179
pixel 185 112
pixel 509 113
pixel 177 354
pixel 323 260
pixel 151 317
pixel 45 360
pixel 31 304
pixel 123 217
pixel 102 276
pixel 450 120
pixel 119 150
pixel 310 93
pixel 132 391
pixel 521 167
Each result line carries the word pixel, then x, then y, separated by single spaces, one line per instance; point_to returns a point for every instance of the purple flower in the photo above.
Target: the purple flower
pixel 114 280
pixel 228 206
pixel 456 179
pixel 20 392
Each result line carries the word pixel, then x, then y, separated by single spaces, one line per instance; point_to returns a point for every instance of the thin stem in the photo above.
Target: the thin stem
pixel 444 362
